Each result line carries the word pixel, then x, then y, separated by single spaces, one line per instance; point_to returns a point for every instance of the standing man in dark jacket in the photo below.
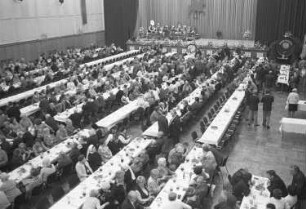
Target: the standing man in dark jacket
pixel 267 101
pixel 299 183
pixel 253 104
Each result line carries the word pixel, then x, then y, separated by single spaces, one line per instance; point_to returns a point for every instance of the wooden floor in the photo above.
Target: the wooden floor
pixel 260 149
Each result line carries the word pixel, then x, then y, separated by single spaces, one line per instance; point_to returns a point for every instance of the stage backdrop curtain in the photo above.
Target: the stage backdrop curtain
pixel 231 17
pixel 120 20
pixel 275 17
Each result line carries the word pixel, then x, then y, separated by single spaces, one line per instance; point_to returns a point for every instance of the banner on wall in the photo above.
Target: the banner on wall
pixel 283 76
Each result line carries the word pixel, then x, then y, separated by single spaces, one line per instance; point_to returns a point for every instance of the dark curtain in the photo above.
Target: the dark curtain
pixel 275 17
pixel 120 20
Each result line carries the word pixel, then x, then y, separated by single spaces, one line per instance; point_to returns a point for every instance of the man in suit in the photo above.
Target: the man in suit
pixel 131 201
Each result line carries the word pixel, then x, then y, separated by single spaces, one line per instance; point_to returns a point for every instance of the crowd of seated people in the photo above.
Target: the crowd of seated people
pixel 34 135
pixel 20 75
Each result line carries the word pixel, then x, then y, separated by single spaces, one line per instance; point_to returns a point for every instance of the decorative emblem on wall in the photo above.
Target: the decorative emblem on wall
pixel 197 8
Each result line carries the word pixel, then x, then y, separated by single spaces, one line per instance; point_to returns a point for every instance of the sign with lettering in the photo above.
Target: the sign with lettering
pixel 283 76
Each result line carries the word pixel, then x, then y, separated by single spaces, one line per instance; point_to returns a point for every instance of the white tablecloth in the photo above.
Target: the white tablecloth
pixel 117 56
pixel 23 171
pixel 75 198
pixel 181 180
pixel 259 195
pixel 31 109
pixel 219 125
pixel 293 125
pixel 29 93
pixel 302 105
pixel 152 131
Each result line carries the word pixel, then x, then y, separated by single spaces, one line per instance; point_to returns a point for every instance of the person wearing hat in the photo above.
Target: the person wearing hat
pixel 292 102
pixel 267 101
pixel 276 183
pixel 173 203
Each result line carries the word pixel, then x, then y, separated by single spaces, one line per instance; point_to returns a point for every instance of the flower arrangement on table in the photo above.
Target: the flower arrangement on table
pixel 247 34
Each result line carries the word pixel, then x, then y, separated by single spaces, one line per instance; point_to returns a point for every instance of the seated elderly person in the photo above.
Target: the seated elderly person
pixel 20 155
pixel 47 169
pixel 92 202
pixel 32 181
pixel 154 183
pixel 177 155
pixel 9 187
pixel 208 160
pixel 199 172
pixel 61 133
pixel 164 172
pixel 197 192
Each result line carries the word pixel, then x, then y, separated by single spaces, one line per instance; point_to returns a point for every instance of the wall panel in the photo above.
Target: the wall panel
pixel 39 19
pixel 32 49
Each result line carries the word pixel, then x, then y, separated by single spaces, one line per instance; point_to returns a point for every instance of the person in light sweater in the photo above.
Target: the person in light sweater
pixel 292 102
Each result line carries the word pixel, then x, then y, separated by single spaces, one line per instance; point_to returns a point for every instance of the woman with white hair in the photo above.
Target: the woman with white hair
pixel 92 202
pixel 292 102
pixel 9 187
pixel 93 157
pixel 47 169
pixel 154 184
pixel 164 172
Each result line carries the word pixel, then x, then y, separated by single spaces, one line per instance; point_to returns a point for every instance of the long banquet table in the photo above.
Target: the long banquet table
pixel 114 57
pixel 31 109
pixel 181 180
pixel 76 197
pixel 302 105
pixel 219 125
pixel 29 93
pixel 114 118
pixel 259 195
pixel 293 125
pixel 152 131
pixel 24 170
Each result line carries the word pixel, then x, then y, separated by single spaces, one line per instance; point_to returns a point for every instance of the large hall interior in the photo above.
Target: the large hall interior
pixel 152 104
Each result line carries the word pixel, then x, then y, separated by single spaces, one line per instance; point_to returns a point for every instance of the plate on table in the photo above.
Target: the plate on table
pixel 214 127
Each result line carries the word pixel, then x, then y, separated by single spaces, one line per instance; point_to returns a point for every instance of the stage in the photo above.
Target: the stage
pixel 247 47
